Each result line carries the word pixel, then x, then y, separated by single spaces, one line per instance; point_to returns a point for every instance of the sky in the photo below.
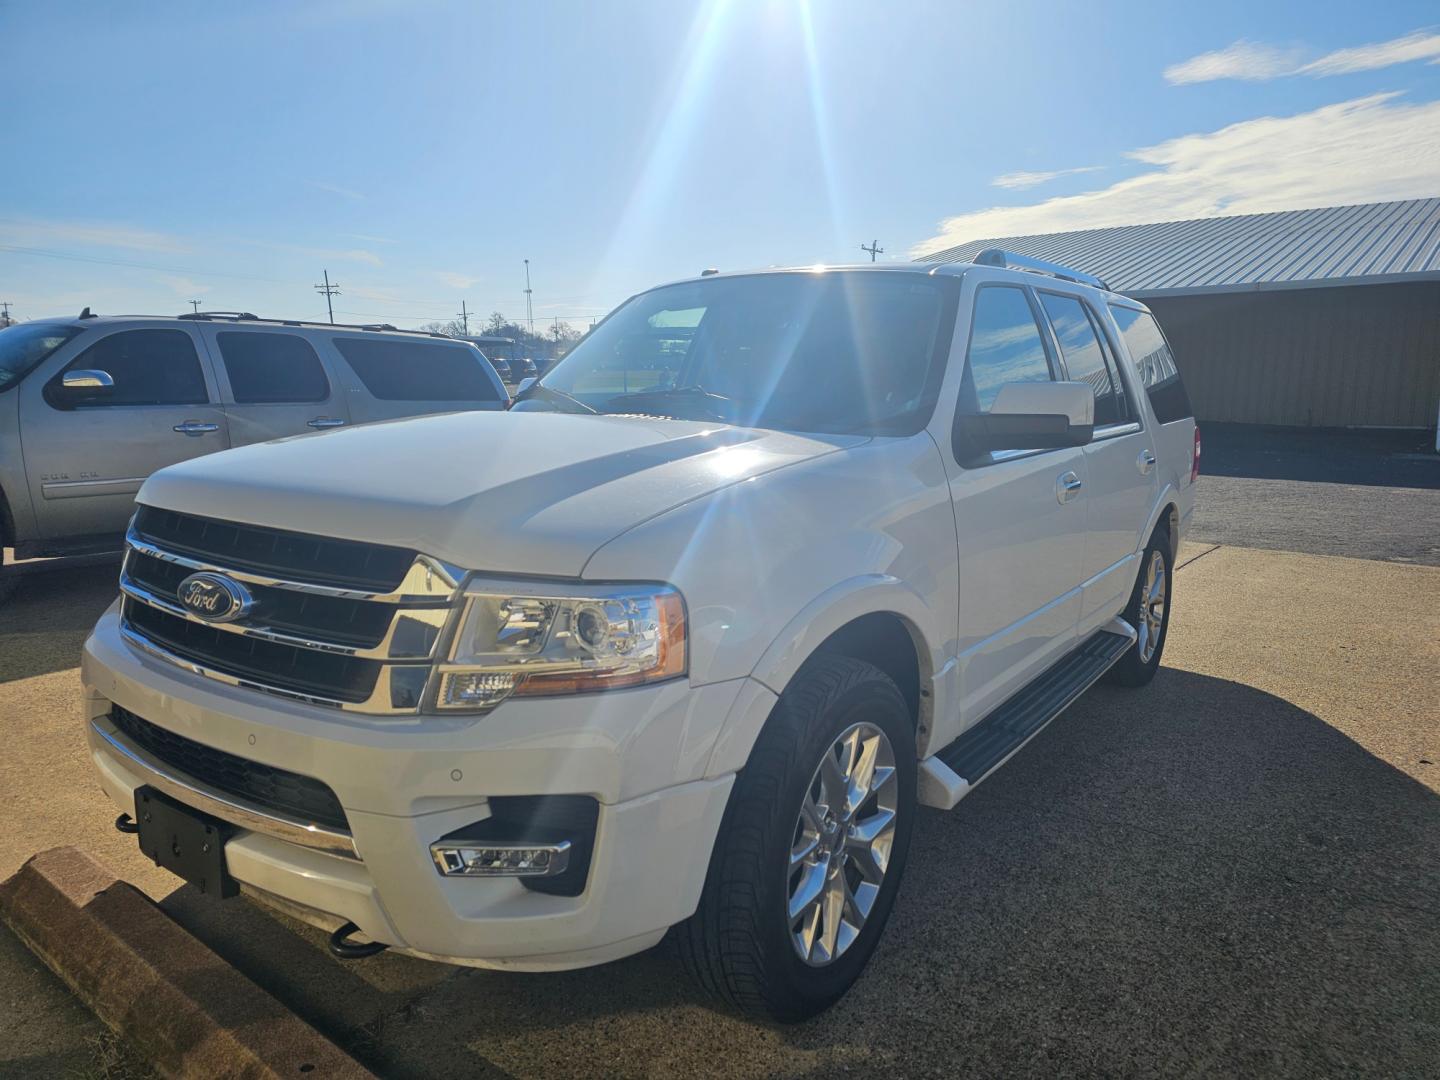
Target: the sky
pixel 420 152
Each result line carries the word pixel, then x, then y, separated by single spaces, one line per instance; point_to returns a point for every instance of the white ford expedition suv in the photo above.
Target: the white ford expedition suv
pixel 683 640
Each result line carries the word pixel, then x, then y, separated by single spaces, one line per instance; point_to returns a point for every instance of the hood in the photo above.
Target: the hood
pixel 508 492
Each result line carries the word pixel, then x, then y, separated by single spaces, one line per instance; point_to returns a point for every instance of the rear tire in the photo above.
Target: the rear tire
pixel 9 579
pixel 1149 612
pixel 788 844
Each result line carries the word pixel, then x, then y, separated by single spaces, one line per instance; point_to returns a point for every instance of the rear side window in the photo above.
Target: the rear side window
pixel 266 369
pixel 1085 359
pixel 150 367
pixel 1005 347
pixel 1155 363
pixel 418 371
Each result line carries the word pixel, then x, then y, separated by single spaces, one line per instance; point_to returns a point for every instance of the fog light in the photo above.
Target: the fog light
pixel 459 859
pixel 480 689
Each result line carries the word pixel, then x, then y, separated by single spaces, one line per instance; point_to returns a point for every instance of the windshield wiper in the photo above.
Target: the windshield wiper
pixel 694 391
pixel 559 395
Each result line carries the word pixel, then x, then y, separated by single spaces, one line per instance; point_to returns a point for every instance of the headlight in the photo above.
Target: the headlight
pixel 534 638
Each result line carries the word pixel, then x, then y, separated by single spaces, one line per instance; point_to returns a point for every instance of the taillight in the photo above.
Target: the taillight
pixel 1195 460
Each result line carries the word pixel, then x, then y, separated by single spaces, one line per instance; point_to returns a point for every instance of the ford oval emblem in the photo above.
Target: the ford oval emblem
pixel 214 597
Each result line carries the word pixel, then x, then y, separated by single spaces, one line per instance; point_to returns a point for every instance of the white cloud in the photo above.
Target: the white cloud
pixel 336 189
pixel 456 281
pixel 1421 45
pixel 1018 180
pixel 184 286
pixel 1366 150
pixel 1256 61
pixel 1242 60
pixel 32 233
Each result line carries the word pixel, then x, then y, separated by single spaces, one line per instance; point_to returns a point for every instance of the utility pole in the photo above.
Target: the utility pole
pixel 329 291
pixel 874 249
pixel 4 313
pixel 464 319
pixel 195 306
pixel 529 310
pixel 557 330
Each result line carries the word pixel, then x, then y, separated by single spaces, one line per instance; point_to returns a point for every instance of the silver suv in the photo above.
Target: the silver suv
pixel 90 406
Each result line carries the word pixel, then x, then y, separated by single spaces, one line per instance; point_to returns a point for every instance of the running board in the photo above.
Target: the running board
pixel 947 776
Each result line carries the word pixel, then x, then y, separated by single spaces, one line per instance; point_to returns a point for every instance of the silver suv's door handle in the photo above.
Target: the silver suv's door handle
pixel 195 428
pixel 325 422
pixel 1145 462
pixel 1067 486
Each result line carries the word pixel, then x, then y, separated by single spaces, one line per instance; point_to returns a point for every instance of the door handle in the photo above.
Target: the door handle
pixel 1067 486
pixel 1145 462
pixel 323 422
pixel 195 428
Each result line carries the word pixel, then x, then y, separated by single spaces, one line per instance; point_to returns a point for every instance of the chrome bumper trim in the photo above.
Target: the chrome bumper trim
pixel 225 807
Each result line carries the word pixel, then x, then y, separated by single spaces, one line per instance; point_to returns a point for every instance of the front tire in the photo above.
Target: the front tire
pixel 1149 612
pixel 810 853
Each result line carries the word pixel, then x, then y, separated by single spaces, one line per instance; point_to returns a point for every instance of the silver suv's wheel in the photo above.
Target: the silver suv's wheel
pixel 843 839
pixel 811 850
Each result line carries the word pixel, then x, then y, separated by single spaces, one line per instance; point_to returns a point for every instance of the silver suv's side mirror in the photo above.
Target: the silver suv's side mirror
pixel 525 384
pixel 87 379
pixel 1035 416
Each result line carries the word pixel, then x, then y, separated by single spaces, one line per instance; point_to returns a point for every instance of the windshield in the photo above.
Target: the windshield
pixel 26 344
pixel 822 352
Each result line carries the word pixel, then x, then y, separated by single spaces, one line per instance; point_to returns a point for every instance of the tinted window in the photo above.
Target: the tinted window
pixel 1005 347
pixel 150 367
pixel 1155 364
pixel 1085 360
pixel 833 352
pixel 24 345
pixel 416 371
pixel 269 368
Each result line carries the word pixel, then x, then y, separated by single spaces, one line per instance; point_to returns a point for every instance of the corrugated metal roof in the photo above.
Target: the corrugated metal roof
pixel 1337 245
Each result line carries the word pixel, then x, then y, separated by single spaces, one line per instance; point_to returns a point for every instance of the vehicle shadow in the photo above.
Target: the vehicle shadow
pixel 45 623
pixel 1199 877
pixel 1404 459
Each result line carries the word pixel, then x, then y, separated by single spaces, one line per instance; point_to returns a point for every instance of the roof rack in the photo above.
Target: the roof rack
pixel 246 316
pixel 1010 261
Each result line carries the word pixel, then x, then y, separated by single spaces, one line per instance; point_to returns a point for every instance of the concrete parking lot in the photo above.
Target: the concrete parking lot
pixel 1231 871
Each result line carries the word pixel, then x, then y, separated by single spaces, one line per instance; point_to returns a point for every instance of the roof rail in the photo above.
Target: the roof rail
pixel 206 315
pixel 236 316
pixel 1010 261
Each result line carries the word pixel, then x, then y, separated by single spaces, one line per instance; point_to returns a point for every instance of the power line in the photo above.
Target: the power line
pixel 329 291
pixel 133 265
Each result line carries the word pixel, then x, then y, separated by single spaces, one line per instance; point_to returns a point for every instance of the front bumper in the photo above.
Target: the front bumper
pixel 640 753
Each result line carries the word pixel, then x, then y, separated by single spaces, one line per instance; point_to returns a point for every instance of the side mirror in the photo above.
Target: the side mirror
pixel 87 379
pixel 525 384
pixel 77 387
pixel 1035 416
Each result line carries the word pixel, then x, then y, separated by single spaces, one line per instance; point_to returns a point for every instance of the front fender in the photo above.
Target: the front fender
pixel 837 606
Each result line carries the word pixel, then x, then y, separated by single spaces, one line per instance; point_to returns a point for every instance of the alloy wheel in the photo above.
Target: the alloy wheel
pixel 841 845
pixel 1152 607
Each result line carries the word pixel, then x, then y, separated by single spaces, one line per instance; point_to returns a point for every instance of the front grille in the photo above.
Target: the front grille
pixel 357 623
pixel 299 797
pixel 275 552
pixel 313 603
pixel 290 668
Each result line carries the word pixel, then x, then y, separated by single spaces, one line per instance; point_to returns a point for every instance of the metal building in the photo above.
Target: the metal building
pixel 1318 318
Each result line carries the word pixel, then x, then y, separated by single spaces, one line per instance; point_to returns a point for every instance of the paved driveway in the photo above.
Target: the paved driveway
pixel 1232 871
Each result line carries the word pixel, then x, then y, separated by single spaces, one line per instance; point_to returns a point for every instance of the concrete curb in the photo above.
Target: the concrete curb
pixel 186 1010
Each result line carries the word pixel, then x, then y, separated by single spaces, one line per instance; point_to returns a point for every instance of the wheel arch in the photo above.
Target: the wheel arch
pixel 879 619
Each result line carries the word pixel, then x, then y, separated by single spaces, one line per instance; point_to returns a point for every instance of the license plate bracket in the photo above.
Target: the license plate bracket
pixel 189 844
